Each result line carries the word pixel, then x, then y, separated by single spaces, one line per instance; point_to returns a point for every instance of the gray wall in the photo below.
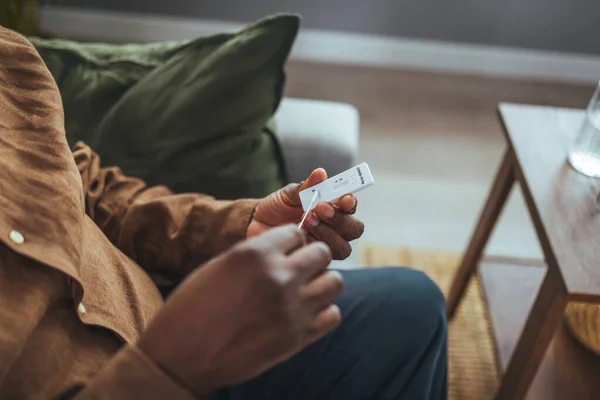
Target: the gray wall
pixel 564 25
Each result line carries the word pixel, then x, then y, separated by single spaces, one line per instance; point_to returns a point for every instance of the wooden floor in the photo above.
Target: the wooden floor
pixel 391 99
pixel 430 136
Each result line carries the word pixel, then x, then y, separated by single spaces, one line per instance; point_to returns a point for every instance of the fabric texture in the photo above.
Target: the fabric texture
pixel 189 115
pixel 473 368
pixel 133 376
pixel 392 344
pixel 316 133
pixel 83 248
pixel 583 321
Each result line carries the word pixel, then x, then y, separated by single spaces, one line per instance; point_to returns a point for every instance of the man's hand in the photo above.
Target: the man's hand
pixel 245 311
pixel 332 223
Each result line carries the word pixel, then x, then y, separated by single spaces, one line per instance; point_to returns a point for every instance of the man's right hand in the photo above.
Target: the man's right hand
pixel 246 311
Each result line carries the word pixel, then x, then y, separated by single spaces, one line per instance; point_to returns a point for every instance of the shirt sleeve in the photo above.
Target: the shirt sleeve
pixel 165 233
pixel 132 375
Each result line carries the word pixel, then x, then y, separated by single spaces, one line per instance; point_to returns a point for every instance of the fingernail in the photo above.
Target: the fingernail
pixel 312 220
pixel 328 211
pixel 353 201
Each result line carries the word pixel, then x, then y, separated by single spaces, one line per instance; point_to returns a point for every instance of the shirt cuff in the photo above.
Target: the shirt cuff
pixel 131 374
pixel 237 224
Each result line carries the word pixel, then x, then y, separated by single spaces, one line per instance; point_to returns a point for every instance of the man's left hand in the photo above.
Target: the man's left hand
pixel 332 223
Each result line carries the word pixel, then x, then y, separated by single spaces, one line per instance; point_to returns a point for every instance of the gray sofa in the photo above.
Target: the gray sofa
pixel 315 133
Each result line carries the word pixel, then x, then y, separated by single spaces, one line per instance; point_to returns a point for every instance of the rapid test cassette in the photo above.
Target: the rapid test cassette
pixel 351 181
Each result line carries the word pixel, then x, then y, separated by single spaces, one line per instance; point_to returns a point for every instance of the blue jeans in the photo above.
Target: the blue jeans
pixel 392 344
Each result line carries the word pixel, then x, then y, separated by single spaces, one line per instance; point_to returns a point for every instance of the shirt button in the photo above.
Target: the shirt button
pixel 16 237
pixel 81 308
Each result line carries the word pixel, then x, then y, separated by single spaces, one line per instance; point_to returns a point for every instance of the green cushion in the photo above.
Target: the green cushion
pixel 191 115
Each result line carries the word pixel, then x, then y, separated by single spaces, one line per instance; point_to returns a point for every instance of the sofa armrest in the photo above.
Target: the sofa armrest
pixel 316 133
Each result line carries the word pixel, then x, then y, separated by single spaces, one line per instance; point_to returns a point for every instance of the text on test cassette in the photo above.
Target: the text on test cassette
pixel 351 181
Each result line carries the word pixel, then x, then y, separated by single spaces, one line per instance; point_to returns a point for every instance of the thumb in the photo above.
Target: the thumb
pixel 291 193
pixel 317 176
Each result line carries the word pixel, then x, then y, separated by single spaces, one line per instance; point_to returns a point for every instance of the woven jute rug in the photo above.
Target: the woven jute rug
pixel 473 370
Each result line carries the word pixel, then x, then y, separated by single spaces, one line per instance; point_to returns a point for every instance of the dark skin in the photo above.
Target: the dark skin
pixel 245 311
pixel 262 301
pixel 332 223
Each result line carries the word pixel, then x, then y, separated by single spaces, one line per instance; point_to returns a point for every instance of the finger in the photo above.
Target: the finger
pixel 311 238
pixel 310 260
pixel 326 321
pixel 340 248
pixel 317 176
pixel 291 193
pixel 311 220
pixel 322 290
pixel 284 239
pixel 346 225
pixel 348 203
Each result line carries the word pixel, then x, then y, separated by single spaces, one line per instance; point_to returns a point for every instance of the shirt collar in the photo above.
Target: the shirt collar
pixel 41 195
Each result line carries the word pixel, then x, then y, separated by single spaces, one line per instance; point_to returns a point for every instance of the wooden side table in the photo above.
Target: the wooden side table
pixel 562 207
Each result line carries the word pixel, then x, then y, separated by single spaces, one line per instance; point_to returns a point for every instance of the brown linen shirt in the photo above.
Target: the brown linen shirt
pixel 83 249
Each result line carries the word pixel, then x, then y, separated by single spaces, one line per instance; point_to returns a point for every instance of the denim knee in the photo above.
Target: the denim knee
pixel 424 294
pixel 405 300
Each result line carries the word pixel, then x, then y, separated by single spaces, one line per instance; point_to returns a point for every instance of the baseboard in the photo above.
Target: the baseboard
pixel 336 47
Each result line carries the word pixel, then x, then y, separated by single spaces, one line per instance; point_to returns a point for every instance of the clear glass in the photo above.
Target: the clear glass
pixel 585 154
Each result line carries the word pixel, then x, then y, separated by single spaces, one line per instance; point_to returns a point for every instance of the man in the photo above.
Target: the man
pixel 257 314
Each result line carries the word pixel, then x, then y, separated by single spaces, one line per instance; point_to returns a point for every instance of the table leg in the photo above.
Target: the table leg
pixel 544 318
pixel 501 187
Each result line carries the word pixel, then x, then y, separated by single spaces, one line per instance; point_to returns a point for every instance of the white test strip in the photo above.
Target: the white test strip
pixel 312 202
pixel 351 181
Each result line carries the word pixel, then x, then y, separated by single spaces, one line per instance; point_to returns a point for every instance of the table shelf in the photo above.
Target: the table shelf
pixel 568 370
